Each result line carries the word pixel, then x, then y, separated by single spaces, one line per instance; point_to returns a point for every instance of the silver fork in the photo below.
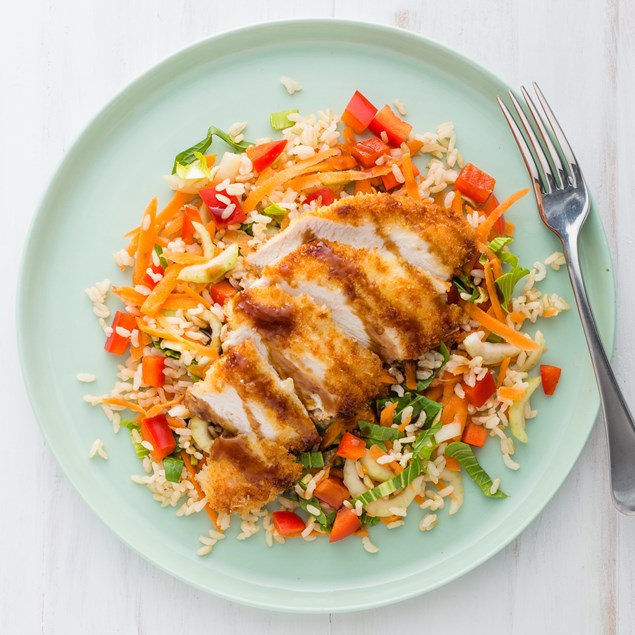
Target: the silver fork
pixel 564 203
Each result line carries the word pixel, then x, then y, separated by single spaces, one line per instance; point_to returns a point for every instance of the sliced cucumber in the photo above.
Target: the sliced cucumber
pixel 213 270
pixel 351 479
pixel 517 411
pixel 376 471
pixel 534 357
pixel 491 353
pixel 200 434
pixel 456 497
pixel 383 506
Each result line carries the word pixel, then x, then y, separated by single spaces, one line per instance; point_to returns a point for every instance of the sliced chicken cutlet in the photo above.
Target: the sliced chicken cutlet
pixel 242 393
pixel 332 372
pixel 436 240
pixel 244 473
pixel 393 303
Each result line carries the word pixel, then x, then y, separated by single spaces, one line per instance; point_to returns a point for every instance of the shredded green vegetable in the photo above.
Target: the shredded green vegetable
pixel 173 468
pixel 139 449
pixel 189 156
pixel 378 433
pixel 386 488
pixel 462 452
pixel 324 520
pixel 275 211
pixel 280 120
pixel 168 352
pixel 425 443
pixel 311 460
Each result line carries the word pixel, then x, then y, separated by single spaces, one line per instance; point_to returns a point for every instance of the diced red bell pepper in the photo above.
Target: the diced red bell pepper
pixel 367 152
pixel 397 130
pixel 218 207
pixel 157 432
pixel 148 280
pixel 152 370
pixel 117 343
pixel 474 183
pixel 346 523
pixel 351 447
pixel 332 492
pixel 478 394
pixel 287 523
pixel 550 376
pixel 490 206
pixel 264 154
pixel 325 194
pixel 474 435
pixel 358 113
pixel 190 216
pixel 221 292
pixel 390 182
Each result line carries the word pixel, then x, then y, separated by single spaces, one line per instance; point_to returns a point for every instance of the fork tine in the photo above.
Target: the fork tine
pixel 538 151
pixel 524 148
pixel 565 148
pixel 561 176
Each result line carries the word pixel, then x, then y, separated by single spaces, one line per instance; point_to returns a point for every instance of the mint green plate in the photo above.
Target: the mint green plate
pixel 100 191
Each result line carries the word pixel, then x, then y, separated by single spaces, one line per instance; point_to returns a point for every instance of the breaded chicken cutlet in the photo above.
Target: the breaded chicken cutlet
pixel 338 291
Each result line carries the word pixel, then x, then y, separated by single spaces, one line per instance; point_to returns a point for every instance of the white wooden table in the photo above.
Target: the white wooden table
pixel 61 570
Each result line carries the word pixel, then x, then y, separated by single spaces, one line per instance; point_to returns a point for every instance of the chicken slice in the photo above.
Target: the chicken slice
pixel 333 373
pixel 244 394
pixel 402 314
pixel 436 240
pixel 244 473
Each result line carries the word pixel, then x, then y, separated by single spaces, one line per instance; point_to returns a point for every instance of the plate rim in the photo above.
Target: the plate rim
pixel 21 309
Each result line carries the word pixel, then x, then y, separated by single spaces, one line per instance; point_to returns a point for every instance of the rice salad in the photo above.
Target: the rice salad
pixel 409 449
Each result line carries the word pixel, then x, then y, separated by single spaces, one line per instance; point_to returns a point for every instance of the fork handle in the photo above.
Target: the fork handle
pixel 620 427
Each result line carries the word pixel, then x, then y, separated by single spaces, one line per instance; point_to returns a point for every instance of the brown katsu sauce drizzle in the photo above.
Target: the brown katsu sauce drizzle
pixel 274 319
pixel 239 454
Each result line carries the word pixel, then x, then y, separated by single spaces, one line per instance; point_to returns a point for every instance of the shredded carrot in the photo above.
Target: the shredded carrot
pixel 173 227
pixel 448 390
pixel 349 136
pixel 129 295
pixel 509 392
pixel 364 187
pixel 502 371
pixel 283 176
pixel 510 335
pixel 160 407
pixel 414 145
pixel 409 174
pixel 183 258
pixel 549 312
pixel 185 288
pixel 453 409
pixel 493 294
pixel 385 418
pixel 136 352
pixel 335 163
pixel 509 228
pixel 176 301
pixel 173 207
pixel 517 317
pixel 210 159
pixel 390 519
pixel 434 392
pixel 361 532
pixel 191 474
pixel 452 464
pixel 162 290
pixel 406 422
pixel 411 375
pixel 147 236
pixel 375 452
pixel 457 202
pixel 118 401
pixel 173 337
pixel 385 378
pixel 331 433
pixel 420 499
pixel 486 226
